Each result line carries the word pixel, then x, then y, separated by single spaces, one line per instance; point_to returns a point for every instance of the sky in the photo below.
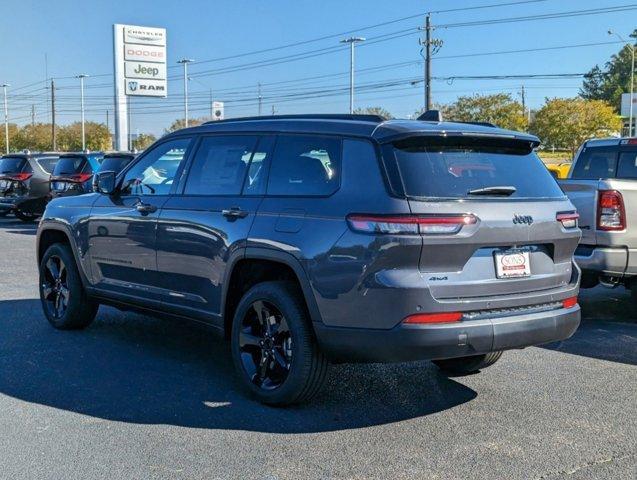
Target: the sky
pixel 64 38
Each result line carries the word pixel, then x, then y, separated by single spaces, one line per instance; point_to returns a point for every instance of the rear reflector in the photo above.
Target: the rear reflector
pixel 568 219
pixel 446 317
pixel 21 177
pixel 410 224
pixel 611 215
pixel 569 302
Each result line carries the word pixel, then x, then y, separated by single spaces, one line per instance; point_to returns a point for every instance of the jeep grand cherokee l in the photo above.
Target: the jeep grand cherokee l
pixel 317 238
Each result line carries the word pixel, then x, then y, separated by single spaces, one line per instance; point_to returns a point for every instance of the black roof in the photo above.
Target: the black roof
pixel 368 126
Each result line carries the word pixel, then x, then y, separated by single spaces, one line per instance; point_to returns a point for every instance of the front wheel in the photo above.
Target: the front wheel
pixel 466 365
pixel 26 217
pixel 64 301
pixel 273 345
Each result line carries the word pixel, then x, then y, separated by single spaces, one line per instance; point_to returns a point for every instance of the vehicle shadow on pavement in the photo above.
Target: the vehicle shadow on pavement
pixel 133 368
pixel 13 225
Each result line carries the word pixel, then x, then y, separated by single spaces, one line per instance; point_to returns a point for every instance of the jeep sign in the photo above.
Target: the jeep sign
pixel 154 71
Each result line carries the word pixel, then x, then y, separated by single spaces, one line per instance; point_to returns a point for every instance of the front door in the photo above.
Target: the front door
pixel 200 228
pixel 122 227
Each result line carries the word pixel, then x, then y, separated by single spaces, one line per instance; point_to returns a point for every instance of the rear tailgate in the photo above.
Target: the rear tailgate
pixel 583 195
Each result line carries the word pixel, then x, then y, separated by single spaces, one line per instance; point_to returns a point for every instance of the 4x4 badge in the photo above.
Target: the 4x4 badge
pixel 526 219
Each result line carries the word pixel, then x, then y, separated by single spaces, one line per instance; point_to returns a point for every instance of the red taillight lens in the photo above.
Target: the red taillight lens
pixel 81 177
pixel 410 224
pixel 568 219
pixel 446 317
pixel 21 177
pixel 569 302
pixel 610 211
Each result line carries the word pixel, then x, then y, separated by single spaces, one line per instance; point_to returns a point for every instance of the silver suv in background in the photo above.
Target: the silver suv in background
pixel 602 184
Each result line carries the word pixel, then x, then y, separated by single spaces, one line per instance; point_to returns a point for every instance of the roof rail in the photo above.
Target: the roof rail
pixel 309 116
pixel 482 124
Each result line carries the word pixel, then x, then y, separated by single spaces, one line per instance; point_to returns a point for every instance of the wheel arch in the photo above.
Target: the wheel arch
pixel 51 233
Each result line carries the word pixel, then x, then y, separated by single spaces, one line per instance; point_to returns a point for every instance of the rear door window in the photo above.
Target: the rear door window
pixel 305 165
pixel 458 168
pixel 627 164
pixel 594 163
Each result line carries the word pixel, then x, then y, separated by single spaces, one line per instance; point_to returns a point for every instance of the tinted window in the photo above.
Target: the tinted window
pixel 69 165
pixel 450 168
pixel 305 165
pixel 155 172
pixel 11 164
pixel 595 163
pixel 627 165
pixel 47 163
pixel 220 165
pixel 114 164
pixel 254 183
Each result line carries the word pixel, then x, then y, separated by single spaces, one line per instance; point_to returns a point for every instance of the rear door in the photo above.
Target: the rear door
pixel 209 219
pixel 512 202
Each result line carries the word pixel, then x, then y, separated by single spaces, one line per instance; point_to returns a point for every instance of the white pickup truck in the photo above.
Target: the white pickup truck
pixel 602 184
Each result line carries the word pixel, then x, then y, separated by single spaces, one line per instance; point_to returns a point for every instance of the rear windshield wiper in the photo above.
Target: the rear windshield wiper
pixel 499 190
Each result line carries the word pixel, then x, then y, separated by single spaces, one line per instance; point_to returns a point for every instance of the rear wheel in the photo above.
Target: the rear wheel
pixel 25 216
pixel 466 365
pixel 64 301
pixel 273 345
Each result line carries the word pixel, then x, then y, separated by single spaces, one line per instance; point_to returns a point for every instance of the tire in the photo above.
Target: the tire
pixel 589 280
pixel 25 216
pixel 65 311
pixel 287 367
pixel 466 365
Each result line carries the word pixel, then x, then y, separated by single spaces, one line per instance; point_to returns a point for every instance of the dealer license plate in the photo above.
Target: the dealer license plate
pixel 512 264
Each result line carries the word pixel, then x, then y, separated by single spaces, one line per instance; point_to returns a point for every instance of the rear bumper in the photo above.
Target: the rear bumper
pixel 438 341
pixel 7 204
pixel 606 260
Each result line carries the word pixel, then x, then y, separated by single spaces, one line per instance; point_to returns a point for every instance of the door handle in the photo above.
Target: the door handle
pixel 234 212
pixel 145 208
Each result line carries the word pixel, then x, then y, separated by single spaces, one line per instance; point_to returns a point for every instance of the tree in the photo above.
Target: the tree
pixel 609 83
pixel 36 137
pixel 374 111
pixel 143 141
pixel 567 122
pixel 181 123
pixel 69 137
pixel 499 109
pixel 13 131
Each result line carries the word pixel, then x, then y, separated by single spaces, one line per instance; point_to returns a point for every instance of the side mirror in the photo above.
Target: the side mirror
pixel 104 182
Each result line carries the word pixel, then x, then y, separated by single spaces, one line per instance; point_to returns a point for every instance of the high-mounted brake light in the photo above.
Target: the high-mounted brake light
pixel 568 219
pixel 444 317
pixel 569 302
pixel 21 177
pixel 411 224
pixel 611 215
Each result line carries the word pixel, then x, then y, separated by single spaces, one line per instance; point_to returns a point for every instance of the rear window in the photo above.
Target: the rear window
pixel 47 163
pixel 595 163
pixel 627 165
pixel 11 164
pixel 452 168
pixel 70 165
pixel 114 164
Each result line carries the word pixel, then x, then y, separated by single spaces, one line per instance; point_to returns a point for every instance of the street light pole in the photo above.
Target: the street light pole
pixel 82 77
pixel 632 80
pixel 6 117
pixel 351 41
pixel 185 62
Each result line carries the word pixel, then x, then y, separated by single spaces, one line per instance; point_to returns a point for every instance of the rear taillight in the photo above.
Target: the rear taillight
pixel 21 177
pixel 444 317
pixel 410 224
pixel 81 177
pixel 568 219
pixel 569 302
pixel 610 211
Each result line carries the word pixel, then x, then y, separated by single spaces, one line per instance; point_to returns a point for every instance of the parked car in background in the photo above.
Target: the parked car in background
pixel 559 170
pixel 310 238
pixel 24 183
pixel 73 174
pixel 602 184
pixel 115 161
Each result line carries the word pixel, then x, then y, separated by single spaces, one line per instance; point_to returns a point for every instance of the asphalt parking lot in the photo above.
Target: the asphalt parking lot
pixel 137 397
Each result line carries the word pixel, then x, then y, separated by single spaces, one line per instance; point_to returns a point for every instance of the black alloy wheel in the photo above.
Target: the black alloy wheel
pixel 265 344
pixel 55 288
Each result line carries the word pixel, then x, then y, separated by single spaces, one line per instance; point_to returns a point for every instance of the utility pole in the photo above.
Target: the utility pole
pixel 259 97
pixel 6 117
pixel 82 77
pixel 352 41
pixel 273 110
pixel 632 81
pixel 32 115
pixel 107 123
pixel 212 110
pixel 185 62
pixel 54 143
pixel 427 43
pixel 130 130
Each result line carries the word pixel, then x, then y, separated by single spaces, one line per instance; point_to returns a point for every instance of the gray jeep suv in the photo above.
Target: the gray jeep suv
pixel 316 238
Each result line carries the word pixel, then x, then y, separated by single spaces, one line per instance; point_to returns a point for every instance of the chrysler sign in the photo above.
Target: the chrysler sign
pixel 144 35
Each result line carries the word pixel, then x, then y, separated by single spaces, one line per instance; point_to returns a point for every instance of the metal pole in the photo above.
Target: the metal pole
pixel 130 130
pixel 351 41
pixel 53 139
pixel 632 86
pixel 185 62
pixel 259 98
pixel 6 118
pixel 428 62
pixel 82 77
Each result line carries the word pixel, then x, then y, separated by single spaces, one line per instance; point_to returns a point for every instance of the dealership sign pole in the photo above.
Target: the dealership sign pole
pixel 140 70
